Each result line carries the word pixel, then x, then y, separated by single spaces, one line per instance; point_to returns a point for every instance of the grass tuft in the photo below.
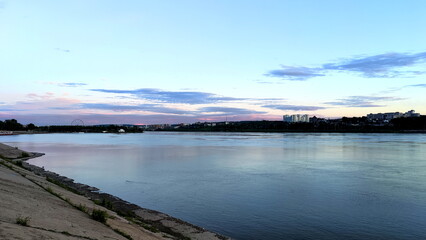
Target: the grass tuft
pixel 104 202
pixel 149 228
pixel 23 221
pixel 6 165
pixel 82 208
pixel 99 215
pixel 49 189
pixel 107 204
pixel 56 182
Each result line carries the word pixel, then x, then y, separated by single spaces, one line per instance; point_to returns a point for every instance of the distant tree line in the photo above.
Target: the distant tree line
pixel 14 125
pixel 411 123
pixel 90 129
pixel 345 124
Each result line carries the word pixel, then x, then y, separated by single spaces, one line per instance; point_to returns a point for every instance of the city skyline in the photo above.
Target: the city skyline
pixel 144 62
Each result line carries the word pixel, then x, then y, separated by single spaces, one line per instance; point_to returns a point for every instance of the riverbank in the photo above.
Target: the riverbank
pixel 56 207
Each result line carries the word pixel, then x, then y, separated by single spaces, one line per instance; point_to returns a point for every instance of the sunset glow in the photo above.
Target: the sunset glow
pixel 185 61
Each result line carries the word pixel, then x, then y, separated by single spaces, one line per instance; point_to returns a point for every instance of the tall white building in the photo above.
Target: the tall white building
pixel 296 118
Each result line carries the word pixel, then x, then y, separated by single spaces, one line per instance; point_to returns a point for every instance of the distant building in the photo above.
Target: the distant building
pixel 296 118
pixel 411 113
pixel 385 117
pixel 287 118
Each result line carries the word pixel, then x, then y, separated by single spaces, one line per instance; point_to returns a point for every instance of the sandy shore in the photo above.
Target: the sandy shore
pixel 57 208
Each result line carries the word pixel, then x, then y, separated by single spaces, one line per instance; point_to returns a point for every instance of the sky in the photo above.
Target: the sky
pixel 168 61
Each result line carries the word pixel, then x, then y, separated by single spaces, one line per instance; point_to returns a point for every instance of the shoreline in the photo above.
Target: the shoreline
pixel 296 131
pixel 385 131
pixel 150 219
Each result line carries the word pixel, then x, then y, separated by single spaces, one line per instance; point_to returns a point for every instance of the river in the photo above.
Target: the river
pixel 255 185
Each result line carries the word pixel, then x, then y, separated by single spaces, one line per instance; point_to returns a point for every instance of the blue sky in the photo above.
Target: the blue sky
pixel 148 62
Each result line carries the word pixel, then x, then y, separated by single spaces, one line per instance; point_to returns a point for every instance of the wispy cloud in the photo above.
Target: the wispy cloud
pixel 417 85
pixel 40 103
pixel 187 97
pixel 72 84
pixel 379 66
pixel 63 50
pixel 94 118
pixel 91 119
pixel 125 108
pixel 396 89
pixel 294 107
pixel 228 111
pixel 8 108
pixel 45 96
pixel 67 84
pixel 147 102
pixel 295 73
pixel 388 65
pixel 217 111
pixel 363 101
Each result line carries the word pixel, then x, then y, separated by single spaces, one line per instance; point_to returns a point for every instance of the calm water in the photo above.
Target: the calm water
pixel 256 186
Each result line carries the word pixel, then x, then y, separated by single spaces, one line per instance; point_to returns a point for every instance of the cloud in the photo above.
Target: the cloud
pixel 229 111
pixel 63 50
pixel 6 108
pixel 72 84
pixel 395 89
pixel 93 119
pixel 417 85
pixel 383 65
pixel 124 108
pixel 272 99
pixel 158 109
pixel 187 97
pixel 295 73
pixel 40 103
pixel 68 84
pixel 387 65
pixel 363 101
pixel 48 103
pixel 45 96
pixel 294 107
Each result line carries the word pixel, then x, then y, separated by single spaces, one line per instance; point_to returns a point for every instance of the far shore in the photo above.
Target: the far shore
pixel 237 131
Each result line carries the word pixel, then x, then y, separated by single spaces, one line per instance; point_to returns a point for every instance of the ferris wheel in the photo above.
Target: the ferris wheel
pixel 77 122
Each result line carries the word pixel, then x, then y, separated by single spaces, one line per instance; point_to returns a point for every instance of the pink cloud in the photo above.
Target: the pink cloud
pixel 93 119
